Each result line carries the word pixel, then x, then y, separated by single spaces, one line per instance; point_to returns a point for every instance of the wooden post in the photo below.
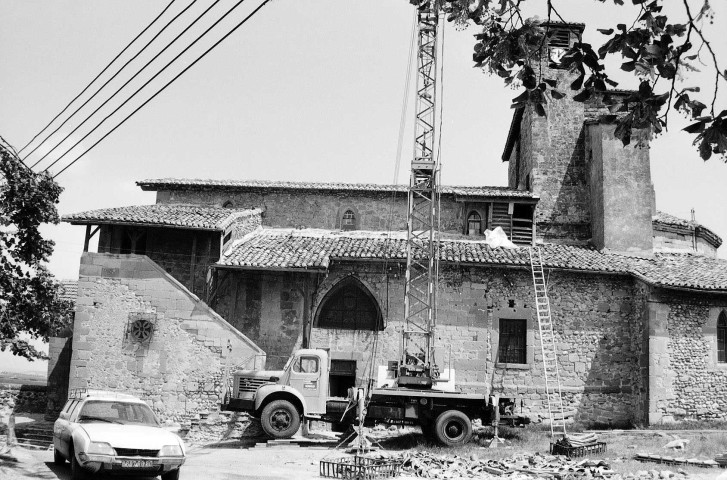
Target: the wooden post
pixel 88 237
pixel 192 262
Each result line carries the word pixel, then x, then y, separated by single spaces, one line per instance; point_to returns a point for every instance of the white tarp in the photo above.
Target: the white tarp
pixel 498 238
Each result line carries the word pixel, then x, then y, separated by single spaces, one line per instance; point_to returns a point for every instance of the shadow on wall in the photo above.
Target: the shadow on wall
pixel 570 215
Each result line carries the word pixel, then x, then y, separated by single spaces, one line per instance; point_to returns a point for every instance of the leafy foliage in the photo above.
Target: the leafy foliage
pixel 29 295
pixel 653 48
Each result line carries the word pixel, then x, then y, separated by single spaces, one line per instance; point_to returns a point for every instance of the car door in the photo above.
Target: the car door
pixel 305 376
pixel 60 428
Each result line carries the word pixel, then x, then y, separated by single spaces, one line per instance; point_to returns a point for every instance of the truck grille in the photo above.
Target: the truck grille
pixel 247 384
pixel 135 452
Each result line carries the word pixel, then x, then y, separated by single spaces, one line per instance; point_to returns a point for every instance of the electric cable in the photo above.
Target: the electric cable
pixel 199 17
pixel 97 77
pixel 265 2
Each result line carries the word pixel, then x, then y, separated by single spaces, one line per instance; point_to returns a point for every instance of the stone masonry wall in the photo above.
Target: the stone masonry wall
pixel 269 307
pixel 183 253
pixel 686 380
pixel 593 317
pixel 18 398
pixel 319 209
pixel 180 370
pixel 59 365
pixel 553 146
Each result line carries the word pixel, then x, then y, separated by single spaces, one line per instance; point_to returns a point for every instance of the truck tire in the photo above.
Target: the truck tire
pixel 453 428
pixel 280 419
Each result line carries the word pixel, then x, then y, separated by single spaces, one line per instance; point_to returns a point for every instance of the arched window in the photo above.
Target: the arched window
pixel 348 221
pixel 228 204
pixel 474 224
pixel 722 338
pixel 350 306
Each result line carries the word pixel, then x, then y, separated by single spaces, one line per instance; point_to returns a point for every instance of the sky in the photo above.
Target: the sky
pixel 307 90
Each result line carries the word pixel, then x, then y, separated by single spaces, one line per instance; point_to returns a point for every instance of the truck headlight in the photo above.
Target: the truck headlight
pixel 100 448
pixel 171 451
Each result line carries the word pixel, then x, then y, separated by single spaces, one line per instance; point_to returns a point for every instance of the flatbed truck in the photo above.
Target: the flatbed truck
pixel 283 399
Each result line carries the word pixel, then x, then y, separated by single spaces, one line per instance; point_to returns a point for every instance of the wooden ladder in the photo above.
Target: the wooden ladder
pixel 547 345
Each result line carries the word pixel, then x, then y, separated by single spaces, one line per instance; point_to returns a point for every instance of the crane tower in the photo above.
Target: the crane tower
pixel 417 368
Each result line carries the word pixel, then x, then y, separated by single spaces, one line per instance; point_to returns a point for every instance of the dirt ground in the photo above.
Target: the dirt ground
pixel 234 460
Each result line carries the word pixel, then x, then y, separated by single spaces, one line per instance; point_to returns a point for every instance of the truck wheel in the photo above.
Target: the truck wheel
pixel 280 419
pixel 453 428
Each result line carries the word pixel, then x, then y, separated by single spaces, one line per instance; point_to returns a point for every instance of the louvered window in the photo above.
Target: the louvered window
pixel 559 38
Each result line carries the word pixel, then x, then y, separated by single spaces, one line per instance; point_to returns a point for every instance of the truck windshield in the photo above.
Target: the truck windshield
pixel 121 412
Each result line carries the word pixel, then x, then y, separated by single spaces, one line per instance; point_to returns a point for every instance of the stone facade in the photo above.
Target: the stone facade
pixel 181 369
pixel 686 379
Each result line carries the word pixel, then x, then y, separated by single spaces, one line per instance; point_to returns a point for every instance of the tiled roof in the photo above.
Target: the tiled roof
pixel 315 249
pixel 188 216
pixel 665 219
pixel 69 290
pixel 166 183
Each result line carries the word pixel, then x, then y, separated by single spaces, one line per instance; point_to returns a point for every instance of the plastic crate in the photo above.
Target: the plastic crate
pixel 360 468
pixel 573 452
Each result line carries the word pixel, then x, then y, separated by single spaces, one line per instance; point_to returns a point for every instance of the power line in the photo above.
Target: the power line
pixel 97 76
pixel 265 2
pixel 127 82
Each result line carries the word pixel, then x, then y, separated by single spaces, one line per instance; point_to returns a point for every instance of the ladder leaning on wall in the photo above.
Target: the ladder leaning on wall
pixel 547 345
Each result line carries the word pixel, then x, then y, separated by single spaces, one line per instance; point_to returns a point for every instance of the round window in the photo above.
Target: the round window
pixel 141 330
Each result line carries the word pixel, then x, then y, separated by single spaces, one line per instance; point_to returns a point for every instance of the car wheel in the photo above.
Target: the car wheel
pixel 58 457
pixel 171 475
pixel 453 428
pixel 280 419
pixel 77 471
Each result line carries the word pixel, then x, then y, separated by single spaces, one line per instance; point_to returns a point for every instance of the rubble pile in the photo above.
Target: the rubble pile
pixel 427 465
pixel 517 467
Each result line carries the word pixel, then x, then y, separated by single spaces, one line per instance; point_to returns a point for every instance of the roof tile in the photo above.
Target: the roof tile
pixel 189 216
pixel 166 183
pixel 314 249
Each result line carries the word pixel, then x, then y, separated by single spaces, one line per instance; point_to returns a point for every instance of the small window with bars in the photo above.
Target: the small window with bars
pixel 513 339
pixel 722 338
pixel 348 222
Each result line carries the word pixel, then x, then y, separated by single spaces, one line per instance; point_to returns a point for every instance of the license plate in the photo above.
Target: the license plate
pixel 137 463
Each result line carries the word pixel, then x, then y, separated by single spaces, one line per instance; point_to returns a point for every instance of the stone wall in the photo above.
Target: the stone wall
pixel 553 147
pixel 59 366
pixel 686 381
pixel 269 307
pixel 620 190
pixel 17 398
pixel 181 368
pixel 315 209
pixel 593 316
pixel 185 254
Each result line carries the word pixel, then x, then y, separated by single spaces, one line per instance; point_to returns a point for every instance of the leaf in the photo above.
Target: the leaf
pixel 628 66
pixel 577 83
pixel 540 109
pixel 552 82
pixel 556 94
pixel 606 31
pixel 696 127
pixel 582 96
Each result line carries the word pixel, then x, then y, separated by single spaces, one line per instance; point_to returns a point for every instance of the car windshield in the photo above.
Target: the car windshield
pixel 115 411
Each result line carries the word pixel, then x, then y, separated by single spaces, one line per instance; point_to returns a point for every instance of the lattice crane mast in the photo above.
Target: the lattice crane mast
pixel 417 368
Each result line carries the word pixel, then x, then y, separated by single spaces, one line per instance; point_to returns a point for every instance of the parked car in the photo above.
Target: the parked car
pixel 108 432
